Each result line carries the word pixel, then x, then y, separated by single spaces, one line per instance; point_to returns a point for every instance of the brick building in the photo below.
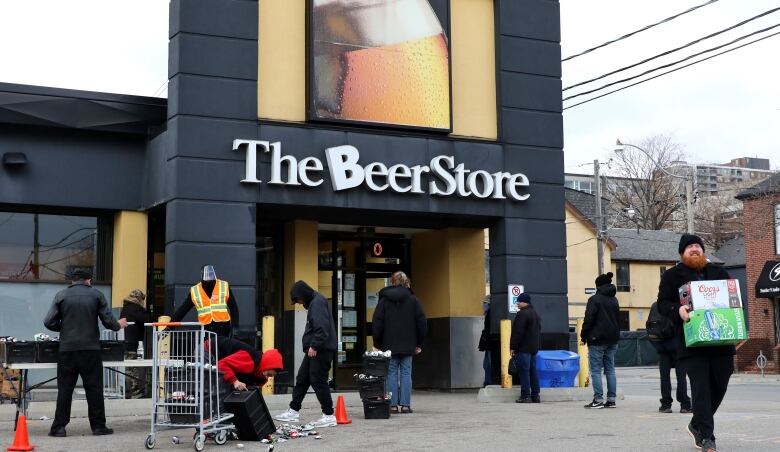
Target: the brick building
pixel 762 250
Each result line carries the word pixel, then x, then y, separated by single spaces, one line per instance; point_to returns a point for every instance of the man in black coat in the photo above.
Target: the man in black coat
pixel 399 325
pixel 524 345
pixel 601 331
pixel 708 368
pixel 74 314
pixel 319 343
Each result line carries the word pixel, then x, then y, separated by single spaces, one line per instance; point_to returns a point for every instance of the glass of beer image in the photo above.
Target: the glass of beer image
pixel 379 61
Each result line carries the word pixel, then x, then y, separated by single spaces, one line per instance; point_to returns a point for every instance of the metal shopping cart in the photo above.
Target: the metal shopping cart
pixel 187 388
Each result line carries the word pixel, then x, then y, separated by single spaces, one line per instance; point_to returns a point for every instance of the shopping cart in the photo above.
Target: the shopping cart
pixel 187 388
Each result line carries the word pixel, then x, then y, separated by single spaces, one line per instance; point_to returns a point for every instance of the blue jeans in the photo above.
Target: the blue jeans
pixel 602 357
pixel 487 368
pixel 529 379
pixel 400 366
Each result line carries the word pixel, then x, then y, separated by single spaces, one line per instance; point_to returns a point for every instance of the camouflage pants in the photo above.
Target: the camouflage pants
pixel 135 389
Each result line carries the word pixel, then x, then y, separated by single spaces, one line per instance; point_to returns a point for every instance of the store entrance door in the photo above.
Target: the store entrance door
pixel 352 270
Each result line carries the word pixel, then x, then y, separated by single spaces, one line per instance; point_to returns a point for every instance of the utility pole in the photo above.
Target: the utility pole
pixel 599 217
pixel 689 201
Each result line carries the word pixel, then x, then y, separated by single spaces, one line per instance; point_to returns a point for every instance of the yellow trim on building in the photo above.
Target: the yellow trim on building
pixel 473 54
pixel 281 60
pixel 131 236
pixel 448 271
pixel 300 257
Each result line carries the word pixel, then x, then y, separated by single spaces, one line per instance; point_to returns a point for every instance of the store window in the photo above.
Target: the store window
pixel 46 247
pixel 623 280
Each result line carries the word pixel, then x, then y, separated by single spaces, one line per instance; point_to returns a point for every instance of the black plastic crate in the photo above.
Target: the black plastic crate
pixel 372 387
pixel 17 352
pixel 47 351
pixel 112 350
pixel 376 409
pixel 375 366
pixel 252 419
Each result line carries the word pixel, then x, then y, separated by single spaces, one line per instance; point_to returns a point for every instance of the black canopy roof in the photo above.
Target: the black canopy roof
pixel 768 284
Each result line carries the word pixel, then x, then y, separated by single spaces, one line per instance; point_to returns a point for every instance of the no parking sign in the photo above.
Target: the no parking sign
pixel 513 292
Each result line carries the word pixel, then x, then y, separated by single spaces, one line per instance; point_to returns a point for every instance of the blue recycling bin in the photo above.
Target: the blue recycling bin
pixel 557 368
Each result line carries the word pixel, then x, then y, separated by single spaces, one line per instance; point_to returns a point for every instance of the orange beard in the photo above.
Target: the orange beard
pixel 697 262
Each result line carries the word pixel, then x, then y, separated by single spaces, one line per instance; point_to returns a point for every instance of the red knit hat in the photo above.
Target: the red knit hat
pixel 271 360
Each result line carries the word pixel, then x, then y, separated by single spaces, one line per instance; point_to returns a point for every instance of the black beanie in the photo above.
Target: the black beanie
pixel 524 298
pixel 604 279
pixel 687 239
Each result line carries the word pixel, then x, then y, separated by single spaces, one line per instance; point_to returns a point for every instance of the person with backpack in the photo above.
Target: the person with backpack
pixel 660 331
pixel 601 331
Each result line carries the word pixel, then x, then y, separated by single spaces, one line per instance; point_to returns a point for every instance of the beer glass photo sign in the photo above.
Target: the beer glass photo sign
pixel 379 62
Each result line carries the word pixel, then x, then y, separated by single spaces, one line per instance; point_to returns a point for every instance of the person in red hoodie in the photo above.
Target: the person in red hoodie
pixel 243 365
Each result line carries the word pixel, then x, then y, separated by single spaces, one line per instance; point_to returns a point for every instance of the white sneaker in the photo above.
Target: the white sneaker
pixel 288 416
pixel 324 421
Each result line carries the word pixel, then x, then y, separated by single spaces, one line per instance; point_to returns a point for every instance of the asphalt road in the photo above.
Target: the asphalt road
pixel 747 421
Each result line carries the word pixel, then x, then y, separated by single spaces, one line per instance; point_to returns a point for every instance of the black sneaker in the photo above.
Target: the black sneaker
pixel 100 431
pixel 536 399
pixel 523 400
pixel 695 434
pixel 595 405
pixel 686 410
pixel 610 405
pixel 708 445
pixel 58 432
pixel 665 409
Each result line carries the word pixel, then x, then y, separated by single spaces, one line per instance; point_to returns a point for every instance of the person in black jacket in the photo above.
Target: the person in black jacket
pixel 708 368
pixel 319 343
pixel 74 314
pixel 524 345
pixel 601 331
pixel 666 346
pixel 399 325
pixel 134 310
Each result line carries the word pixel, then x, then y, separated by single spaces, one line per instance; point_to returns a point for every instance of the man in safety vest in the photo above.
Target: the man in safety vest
pixel 215 303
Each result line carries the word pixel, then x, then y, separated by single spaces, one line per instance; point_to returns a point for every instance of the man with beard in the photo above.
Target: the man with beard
pixel 709 368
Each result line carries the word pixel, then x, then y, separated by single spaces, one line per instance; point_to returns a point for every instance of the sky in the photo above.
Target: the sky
pixel 717 110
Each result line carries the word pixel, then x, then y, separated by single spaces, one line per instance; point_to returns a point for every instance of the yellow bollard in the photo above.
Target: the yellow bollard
pixel 584 376
pixel 163 353
pixel 506 332
pixel 268 343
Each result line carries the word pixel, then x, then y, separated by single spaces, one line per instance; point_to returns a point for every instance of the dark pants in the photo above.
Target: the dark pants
pixel 88 365
pixel 529 379
pixel 665 363
pixel 709 380
pixel 314 372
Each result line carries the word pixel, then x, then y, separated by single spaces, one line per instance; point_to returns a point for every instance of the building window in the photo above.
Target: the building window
pixel 45 247
pixel 623 277
pixel 777 228
pixel 624 321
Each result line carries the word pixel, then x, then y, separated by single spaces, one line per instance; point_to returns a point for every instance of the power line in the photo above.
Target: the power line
pixel 668 19
pixel 712 49
pixel 765 13
pixel 673 70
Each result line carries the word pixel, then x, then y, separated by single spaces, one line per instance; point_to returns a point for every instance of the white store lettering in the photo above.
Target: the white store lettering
pixel 446 177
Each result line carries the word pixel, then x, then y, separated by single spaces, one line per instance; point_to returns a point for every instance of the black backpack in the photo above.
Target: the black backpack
pixel 659 327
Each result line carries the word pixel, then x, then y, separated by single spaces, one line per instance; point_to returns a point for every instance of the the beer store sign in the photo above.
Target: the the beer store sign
pixel 443 176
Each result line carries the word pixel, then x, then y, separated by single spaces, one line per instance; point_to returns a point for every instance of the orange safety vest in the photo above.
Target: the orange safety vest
pixel 212 309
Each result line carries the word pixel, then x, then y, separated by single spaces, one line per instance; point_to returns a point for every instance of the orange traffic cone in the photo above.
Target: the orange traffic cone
pixel 21 441
pixel 341 412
